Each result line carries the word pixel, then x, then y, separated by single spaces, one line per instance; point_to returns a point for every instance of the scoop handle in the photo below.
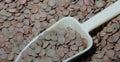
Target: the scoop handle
pixel 102 17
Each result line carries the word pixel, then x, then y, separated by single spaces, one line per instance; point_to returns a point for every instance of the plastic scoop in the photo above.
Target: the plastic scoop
pixel 83 29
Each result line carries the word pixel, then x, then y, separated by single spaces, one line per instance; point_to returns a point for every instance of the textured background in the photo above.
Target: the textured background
pixel 21 20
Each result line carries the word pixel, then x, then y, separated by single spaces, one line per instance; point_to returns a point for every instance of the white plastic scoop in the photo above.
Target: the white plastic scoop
pixel 84 28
